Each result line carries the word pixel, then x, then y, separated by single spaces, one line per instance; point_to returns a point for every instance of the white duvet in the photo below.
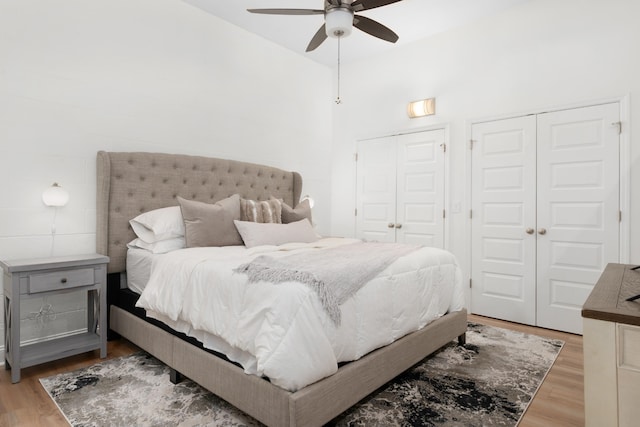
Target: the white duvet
pixel 281 331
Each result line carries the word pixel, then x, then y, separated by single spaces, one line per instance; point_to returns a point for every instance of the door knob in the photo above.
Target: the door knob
pixel 542 231
pixel 398 225
pixel 391 225
pixel 530 230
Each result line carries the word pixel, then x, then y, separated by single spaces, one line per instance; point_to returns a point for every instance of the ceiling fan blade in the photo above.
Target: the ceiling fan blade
pixel 374 28
pixel 317 39
pixel 360 5
pixel 288 11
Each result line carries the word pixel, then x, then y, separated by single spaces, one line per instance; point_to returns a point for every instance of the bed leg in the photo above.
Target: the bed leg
pixel 462 339
pixel 175 377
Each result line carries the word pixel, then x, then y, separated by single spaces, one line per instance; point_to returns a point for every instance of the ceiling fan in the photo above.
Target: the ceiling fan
pixel 340 17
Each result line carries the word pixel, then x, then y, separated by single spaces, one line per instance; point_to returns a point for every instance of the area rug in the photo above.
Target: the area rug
pixel 487 382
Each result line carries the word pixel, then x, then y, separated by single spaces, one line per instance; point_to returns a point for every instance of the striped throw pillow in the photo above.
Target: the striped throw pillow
pixel 268 211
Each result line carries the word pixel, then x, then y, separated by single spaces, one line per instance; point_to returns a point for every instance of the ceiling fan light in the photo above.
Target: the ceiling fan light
pixel 338 22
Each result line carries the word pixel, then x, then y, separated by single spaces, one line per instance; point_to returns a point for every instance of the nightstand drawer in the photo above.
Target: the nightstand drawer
pixel 56 280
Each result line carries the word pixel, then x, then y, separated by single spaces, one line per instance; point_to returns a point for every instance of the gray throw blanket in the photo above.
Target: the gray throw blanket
pixel 333 273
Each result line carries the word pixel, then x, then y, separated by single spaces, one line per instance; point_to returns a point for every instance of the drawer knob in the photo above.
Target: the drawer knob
pixel 63 280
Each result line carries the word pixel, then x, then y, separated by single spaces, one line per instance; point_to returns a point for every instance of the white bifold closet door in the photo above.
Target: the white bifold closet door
pixel 400 188
pixel 545 213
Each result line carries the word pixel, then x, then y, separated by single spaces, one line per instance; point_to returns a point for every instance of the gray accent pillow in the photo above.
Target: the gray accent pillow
pixel 301 211
pixel 256 234
pixel 265 211
pixel 208 224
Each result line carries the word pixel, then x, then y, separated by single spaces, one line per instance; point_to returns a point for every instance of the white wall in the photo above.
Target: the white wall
pixel 540 54
pixel 149 75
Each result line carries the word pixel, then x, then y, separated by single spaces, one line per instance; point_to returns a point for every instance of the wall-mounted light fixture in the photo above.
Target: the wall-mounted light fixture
pixel 54 196
pixel 310 199
pixel 424 107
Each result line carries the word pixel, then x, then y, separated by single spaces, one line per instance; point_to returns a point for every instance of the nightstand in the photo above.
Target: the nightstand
pixel 54 276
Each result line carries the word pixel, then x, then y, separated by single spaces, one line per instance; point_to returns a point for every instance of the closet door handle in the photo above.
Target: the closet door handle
pixel 398 225
pixel 530 230
pixel 542 231
pixel 391 225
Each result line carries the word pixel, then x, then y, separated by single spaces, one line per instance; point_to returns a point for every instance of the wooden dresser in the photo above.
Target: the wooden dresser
pixel 611 340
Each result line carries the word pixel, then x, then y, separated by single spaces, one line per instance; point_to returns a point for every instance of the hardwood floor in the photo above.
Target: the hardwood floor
pixel 559 401
pixel 27 404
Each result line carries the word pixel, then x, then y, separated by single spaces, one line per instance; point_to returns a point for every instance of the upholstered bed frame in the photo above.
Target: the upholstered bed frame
pixel 131 183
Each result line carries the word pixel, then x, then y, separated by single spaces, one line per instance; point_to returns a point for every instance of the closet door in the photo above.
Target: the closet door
pixel 376 190
pixel 545 214
pixel 401 188
pixel 503 261
pixel 420 183
pixel 578 209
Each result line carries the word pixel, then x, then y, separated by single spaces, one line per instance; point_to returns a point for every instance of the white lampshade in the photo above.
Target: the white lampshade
pixel 424 107
pixel 55 196
pixel 338 22
pixel 310 199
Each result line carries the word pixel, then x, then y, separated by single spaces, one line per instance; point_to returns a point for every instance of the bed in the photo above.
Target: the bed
pixel 129 184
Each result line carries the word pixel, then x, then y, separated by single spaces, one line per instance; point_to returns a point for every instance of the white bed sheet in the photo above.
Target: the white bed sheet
pixel 139 263
pixel 282 331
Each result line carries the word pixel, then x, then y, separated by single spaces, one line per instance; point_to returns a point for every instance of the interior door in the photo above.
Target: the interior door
pixel 376 190
pixel 578 209
pixel 401 188
pixel 503 219
pixel 420 183
pixel 545 213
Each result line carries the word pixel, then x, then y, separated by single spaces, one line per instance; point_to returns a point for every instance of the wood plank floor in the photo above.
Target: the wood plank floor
pixel 559 401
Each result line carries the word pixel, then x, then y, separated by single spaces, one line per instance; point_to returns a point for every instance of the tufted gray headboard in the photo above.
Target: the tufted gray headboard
pixel 132 183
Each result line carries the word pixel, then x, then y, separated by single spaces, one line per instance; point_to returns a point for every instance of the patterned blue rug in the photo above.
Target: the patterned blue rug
pixel 489 381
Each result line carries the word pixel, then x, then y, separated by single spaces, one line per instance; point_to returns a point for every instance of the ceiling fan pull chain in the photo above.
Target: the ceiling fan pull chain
pixel 338 101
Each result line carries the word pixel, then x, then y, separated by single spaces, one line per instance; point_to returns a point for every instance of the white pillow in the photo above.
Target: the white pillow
pixel 256 233
pixel 159 247
pixel 159 224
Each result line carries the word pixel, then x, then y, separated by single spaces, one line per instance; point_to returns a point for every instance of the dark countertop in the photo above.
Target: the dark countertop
pixel 607 300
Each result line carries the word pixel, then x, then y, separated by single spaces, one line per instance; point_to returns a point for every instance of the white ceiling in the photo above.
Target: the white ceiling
pixel 410 19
